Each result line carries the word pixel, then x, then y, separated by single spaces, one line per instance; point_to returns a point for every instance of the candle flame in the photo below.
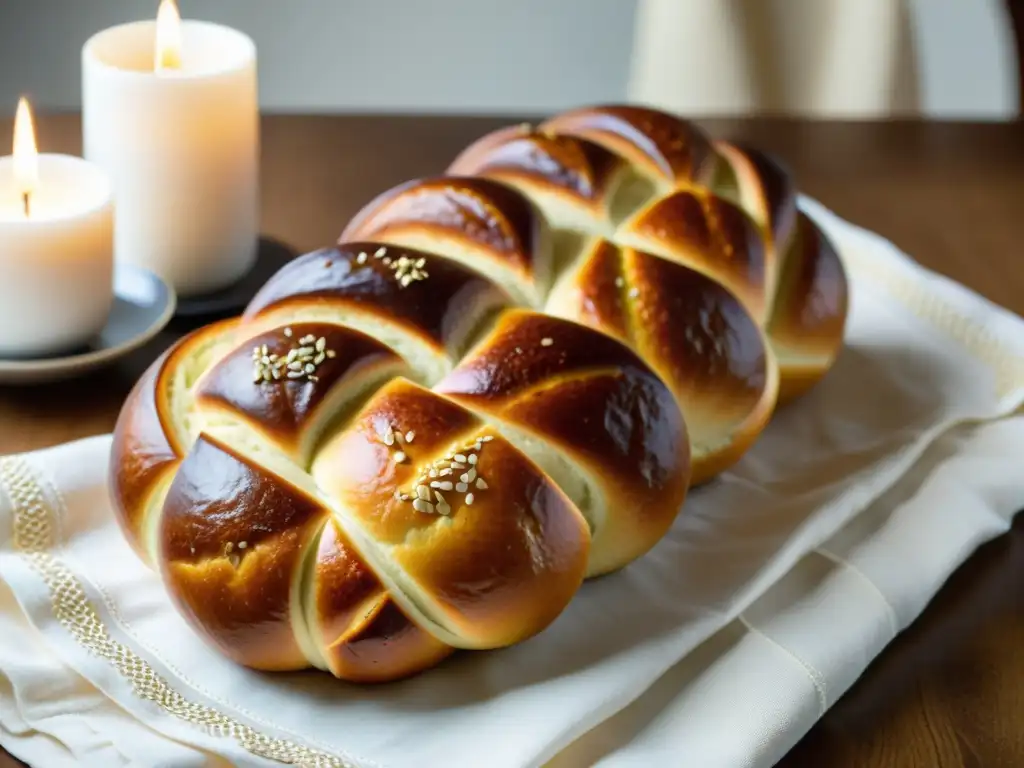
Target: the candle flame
pixel 26 155
pixel 168 36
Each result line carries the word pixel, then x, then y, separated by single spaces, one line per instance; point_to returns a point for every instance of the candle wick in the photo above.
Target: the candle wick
pixel 26 198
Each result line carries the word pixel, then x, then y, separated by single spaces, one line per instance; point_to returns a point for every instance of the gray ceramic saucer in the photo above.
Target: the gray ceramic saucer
pixel 143 305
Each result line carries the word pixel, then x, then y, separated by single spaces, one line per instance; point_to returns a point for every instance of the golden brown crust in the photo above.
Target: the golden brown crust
pixel 808 284
pixel 443 309
pixel 693 332
pixel 366 636
pixel 663 146
pixel 371 530
pixel 588 396
pixel 232 540
pixel 480 218
pixel 808 320
pixel 148 445
pixel 287 408
pixel 765 189
pixel 709 234
pixel 537 162
pixel 505 558
pixel 142 457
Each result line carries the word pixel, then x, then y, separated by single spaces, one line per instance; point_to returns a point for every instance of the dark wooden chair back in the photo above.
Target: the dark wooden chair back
pixel 1016 9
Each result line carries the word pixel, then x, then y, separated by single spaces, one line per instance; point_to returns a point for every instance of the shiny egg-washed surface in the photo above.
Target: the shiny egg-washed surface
pixel 500 382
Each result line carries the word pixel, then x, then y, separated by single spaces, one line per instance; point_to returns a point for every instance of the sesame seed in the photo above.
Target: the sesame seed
pixel 243 544
pixel 423 492
pixel 433 473
pixel 445 471
pixel 310 368
pixel 380 252
pixel 519 350
pixel 619 282
pixel 546 342
pixel 422 506
pixel 470 476
pixel 458 465
pixel 288 332
pixel 487 438
pixel 472 457
pixel 409 436
pixel 464 477
pixel 634 292
pixel 399 457
pixel 321 344
pixel 331 353
pixel 319 358
pixel 229 546
pixel 398 495
pixel 439 497
pixel 469 499
pixel 361 258
pixel 445 485
pixel 389 439
pixel 443 509
pixel 460 457
pixel 481 484
pixel 295 374
pixel 461 487
pixel 386 260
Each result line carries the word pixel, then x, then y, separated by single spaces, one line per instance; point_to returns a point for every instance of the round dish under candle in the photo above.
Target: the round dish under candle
pixel 181 147
pixel 56 260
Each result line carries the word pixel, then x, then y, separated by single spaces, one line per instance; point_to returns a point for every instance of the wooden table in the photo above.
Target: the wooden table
pixel 950 690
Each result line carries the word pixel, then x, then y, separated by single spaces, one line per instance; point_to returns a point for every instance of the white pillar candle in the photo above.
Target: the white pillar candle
pixel 56 248
pixel 175 122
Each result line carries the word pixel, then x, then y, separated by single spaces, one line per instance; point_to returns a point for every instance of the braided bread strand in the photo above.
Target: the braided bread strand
pixel 500 382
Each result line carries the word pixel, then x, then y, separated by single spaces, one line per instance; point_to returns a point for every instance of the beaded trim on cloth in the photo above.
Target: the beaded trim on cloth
pixel 1007 367
pixel 33 523
pixel 34 520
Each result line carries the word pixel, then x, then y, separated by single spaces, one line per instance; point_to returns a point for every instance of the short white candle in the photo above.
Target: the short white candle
pixel 56 248
pixel 172 114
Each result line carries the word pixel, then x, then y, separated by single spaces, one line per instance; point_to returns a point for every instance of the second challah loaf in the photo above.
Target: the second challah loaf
pixel 500 382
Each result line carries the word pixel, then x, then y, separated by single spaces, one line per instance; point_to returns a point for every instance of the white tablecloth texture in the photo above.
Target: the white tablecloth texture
pixel 776 587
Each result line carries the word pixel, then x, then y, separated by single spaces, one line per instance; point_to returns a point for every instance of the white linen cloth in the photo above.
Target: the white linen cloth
pixel 777 585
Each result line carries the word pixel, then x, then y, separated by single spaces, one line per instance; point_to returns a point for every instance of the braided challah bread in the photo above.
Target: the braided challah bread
pixel 500 382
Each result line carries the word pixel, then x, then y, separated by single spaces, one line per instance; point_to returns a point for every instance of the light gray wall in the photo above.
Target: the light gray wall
pixel 967 58
pixel 511 56
pixel 338 55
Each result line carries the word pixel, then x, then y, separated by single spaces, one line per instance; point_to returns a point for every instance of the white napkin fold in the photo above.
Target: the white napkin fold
pixel 773 591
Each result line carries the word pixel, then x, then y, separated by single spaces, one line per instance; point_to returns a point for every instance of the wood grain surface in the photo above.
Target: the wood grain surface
pixel 950 690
